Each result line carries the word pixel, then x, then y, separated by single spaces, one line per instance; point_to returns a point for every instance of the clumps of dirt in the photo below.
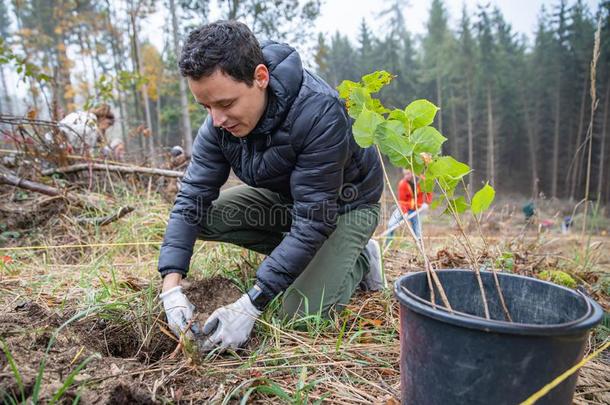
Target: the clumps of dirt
pixel 27 314
pixel 123 394
pixel 127 347
pixel 122 340
pixel 209 294
pixel 30 322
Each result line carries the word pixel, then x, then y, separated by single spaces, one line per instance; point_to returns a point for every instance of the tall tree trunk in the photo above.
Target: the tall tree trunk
pixel 455 150
pixel 439 102
pixel 531 126
pixel 116 56
pixel 158 111
pixel 6 105
pixel 577 163
pixel 63 70
pixel 602 148
pixel 470 133
pixel 144 90
pixel 84 51
pixel 554 177
pixel 184 104
pixel 491 153
pixel 31 82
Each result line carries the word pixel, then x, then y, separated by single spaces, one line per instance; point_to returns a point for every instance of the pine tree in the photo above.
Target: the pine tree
pixel 464 76
pixel 434 67
pixel 488 75
pixel 580 47
pixel 365 49
pixel 321 57
pixel 5 97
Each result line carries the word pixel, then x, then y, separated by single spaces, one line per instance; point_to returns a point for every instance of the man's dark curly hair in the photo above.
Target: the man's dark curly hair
pixel 226 45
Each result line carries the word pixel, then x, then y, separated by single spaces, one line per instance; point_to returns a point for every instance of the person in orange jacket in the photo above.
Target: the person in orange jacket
pixel 408 204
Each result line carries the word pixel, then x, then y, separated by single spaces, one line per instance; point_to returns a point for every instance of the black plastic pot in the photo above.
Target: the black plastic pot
pixel 462 358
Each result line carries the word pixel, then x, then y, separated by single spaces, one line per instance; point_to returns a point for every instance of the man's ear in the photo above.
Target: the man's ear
pixel 261 76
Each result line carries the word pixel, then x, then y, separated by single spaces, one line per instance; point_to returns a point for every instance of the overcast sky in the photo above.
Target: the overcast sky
pixel 346 16
pixel 521 14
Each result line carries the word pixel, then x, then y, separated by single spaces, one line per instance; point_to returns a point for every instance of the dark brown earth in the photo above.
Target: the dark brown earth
pixel 130 362
pixel 209 294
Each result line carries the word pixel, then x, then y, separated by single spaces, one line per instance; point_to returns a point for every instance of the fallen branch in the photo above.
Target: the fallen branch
pixel 6 177
pixel 113 168
pixel 101 221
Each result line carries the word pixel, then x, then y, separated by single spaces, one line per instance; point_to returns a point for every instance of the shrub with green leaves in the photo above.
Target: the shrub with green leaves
pixel 407 137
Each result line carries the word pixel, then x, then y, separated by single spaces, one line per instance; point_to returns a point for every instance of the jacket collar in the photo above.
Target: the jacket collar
pixel 285 78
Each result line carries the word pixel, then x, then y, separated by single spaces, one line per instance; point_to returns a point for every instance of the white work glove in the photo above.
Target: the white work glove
pixel 231 325
pixel 178 310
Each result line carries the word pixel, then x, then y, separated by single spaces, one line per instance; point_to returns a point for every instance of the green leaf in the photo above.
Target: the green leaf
pixel 483 199
pixel 459 205
pixel 11 361
pixel 358 98
pixel 427 184
pixel 435 203
pixel 346 87
pixel 427 139
pixel 375 81
pixel 392 142
pixel 374 104
pixel 421 113
pixel 401 116
pixel 448 171
pixel 365 126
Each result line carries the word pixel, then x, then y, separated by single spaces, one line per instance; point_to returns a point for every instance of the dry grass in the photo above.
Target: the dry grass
pixel 352 359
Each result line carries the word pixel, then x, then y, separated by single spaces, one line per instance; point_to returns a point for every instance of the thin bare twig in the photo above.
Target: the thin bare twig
pixel 113 168
pixel 105 220
pixel 594 103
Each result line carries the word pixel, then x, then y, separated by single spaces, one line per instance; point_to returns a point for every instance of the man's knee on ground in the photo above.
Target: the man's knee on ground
pixel 295 304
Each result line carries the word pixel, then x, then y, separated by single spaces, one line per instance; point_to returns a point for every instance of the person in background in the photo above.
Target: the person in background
pixel 114 150
pixel 409 204
pixel 529 210
pixel 84 130
pixel 566 224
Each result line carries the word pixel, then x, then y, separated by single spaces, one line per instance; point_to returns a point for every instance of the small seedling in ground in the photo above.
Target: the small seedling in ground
pixel 409 141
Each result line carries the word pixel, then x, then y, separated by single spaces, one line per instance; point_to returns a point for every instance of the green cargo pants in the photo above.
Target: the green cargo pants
pixel 256 218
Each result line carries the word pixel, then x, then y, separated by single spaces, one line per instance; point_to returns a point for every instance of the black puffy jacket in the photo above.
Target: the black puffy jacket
pixel 302 148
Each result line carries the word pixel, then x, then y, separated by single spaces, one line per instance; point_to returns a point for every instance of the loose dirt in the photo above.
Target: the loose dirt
pixel 130 362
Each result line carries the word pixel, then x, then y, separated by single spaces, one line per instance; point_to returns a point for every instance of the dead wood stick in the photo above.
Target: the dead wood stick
pixel 113 168
pixel 101 221
pixel 7 177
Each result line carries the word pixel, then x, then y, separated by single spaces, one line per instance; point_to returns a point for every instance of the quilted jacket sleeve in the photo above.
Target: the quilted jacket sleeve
pixel 205 174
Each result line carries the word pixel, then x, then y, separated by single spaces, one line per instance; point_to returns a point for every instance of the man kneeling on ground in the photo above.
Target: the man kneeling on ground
pixel 310 201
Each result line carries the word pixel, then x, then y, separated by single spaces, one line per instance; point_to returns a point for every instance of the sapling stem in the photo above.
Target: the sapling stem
pixel 469 250
pixel 493 269
pixel 431 274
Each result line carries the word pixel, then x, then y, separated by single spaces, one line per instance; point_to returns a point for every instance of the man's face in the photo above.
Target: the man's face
pixel 233 105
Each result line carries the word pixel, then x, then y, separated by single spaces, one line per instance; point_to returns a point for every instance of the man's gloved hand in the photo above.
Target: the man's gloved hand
pixel 230 325
pixel 178 310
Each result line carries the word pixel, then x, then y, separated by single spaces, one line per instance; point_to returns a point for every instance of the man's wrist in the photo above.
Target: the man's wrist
pixel 170 281
pixel 258 297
